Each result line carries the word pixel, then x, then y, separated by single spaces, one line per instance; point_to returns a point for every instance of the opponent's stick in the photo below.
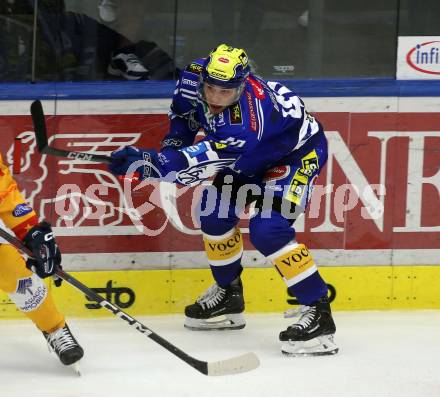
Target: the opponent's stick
pixel 235 365
pixel 43 147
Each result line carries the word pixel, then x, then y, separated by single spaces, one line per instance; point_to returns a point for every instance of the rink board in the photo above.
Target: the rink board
pixel 144 292
pixel 379 191
pixel 380 251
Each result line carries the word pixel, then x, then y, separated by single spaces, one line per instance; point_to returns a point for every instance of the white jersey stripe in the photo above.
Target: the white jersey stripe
pixel 193 98
pixel 191 92
pixel 260 116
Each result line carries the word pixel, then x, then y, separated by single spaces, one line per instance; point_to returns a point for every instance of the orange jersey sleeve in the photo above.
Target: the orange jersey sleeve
pixel 14 212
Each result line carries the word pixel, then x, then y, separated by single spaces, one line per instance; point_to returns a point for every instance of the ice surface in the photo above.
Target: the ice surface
pixel 381 354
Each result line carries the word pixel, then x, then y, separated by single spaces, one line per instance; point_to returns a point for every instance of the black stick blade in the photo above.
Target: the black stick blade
pixel 39 125
pixel 43 146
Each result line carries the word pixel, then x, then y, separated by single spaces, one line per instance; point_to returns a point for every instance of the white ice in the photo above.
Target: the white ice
pixel 381 354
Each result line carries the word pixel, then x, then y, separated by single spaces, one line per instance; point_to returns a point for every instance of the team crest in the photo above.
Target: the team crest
pixel 235 114
pixel 194 68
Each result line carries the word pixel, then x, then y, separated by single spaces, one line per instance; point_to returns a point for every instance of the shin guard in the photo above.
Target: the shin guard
pixel 298 270
pixel 294 263
pixel 224 255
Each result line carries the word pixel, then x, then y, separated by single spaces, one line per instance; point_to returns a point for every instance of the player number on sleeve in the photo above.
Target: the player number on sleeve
pixel 290 104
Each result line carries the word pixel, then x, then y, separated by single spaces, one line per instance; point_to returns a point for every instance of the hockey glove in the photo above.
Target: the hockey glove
pixel 47 256
pixel 129 161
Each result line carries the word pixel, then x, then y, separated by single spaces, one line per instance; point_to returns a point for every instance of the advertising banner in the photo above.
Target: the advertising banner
pixel 375 203
pixel 418 57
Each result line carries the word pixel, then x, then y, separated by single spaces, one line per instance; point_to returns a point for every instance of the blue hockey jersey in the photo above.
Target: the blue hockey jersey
pixel 265 128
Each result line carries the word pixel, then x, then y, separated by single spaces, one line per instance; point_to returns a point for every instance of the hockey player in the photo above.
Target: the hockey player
pixel 24 287
pixel 261 146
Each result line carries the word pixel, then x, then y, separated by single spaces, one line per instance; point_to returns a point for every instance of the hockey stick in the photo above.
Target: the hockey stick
pixel 235 365
pixel 43 146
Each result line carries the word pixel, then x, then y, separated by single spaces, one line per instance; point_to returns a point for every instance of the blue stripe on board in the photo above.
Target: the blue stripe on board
pixel 164 89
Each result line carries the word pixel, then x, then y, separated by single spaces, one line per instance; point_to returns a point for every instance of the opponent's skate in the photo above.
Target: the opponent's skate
pixel 65 346
pixel 217 309
pixel 312 334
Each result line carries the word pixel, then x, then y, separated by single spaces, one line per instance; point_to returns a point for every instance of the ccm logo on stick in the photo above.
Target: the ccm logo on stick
pixel 79 156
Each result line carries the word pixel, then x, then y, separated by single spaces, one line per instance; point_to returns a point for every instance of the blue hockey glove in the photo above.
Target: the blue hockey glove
pixel 130 160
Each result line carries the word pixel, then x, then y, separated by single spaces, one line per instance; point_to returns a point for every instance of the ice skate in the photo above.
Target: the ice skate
pixel 65 346
pixel 312 334
pixel 217 309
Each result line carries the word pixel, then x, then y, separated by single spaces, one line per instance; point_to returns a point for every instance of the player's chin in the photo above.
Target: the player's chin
pixel 216 109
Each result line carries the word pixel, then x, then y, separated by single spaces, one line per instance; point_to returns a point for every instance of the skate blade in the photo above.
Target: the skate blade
pixel 320 346
pixel 76 368
pixel 220 323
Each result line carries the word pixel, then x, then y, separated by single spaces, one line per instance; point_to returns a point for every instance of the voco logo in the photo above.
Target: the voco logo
pixel 225 246
pixel 297 257
pixel 122 297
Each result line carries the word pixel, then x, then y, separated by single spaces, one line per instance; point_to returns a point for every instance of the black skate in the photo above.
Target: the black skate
pixel 65 346
pixel 223 306
pixel 312 334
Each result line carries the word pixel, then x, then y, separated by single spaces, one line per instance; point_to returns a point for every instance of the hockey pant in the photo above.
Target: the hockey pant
pixel 280 196
pixel 29 292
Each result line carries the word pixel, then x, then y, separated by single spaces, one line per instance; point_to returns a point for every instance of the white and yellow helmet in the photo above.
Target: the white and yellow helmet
pixel 226 66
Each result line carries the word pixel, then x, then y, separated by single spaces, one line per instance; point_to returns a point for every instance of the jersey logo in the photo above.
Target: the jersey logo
pixel 23 285
pixel 277 173
pixel 171 142
pixel 220 146
pixel 224 143
pixel 21 210
pixel 235 114
pixel 297 188
pixel 252 116
pixel 202 171
pixel 310 163
pixel 257 88
pixel 194 68
pixel 195 150
pixel 189 82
